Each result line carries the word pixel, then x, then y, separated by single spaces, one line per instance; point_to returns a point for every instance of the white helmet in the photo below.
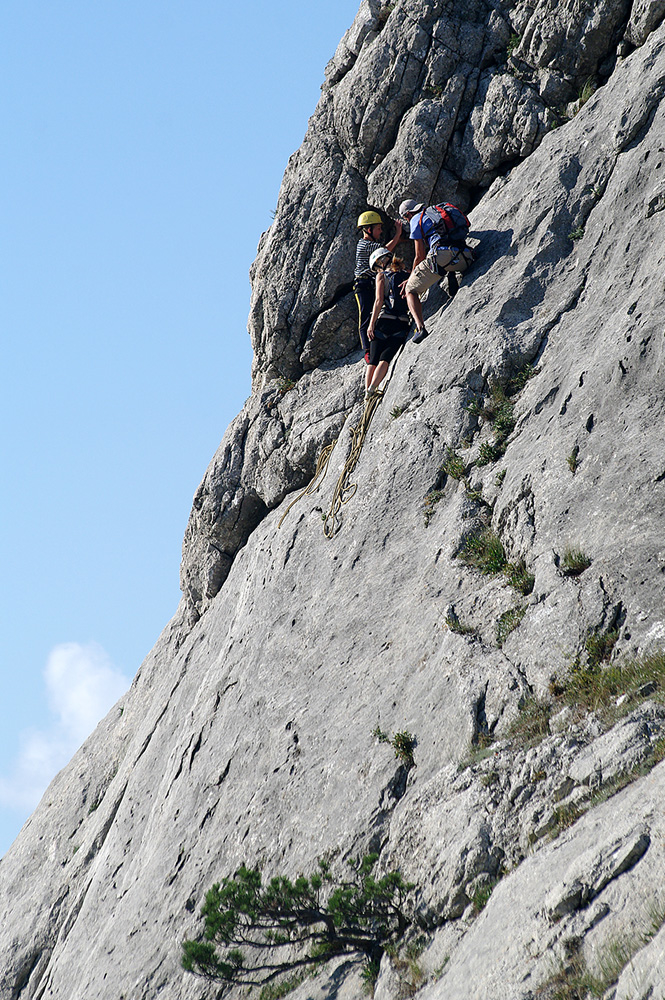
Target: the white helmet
pixel 377 255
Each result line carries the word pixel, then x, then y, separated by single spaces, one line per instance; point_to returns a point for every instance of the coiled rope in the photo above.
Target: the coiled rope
pixel 321 469
pixel 344 489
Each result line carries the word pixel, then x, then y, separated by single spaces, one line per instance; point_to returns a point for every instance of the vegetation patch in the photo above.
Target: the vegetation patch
pixel 455 625
pixel 408 968
pixel 403 743
pixel 587 91
pixel 508 622
pixel 484 552
pixel 611 692
pixel 453 465
pixel 575 981
pixel 595 689
pixel 572 459
pixel 577 233
pixel 574 562
pixel 520 577
pixel 397 411
pixel 518 381
pixel 482 894
pixel 280 930
pixel 429 503
pixel 488 453
pixel 434 91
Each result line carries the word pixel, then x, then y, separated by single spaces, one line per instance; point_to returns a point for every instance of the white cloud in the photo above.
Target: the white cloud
pixel 81 684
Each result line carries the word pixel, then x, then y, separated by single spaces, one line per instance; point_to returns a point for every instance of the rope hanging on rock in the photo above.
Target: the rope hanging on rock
pixel 321 469
pixel 344 490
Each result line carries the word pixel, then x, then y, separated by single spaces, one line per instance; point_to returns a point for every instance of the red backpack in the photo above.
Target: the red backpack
pixel 453 223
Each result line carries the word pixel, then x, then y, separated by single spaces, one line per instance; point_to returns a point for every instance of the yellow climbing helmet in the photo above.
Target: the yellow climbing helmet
pixel 369 219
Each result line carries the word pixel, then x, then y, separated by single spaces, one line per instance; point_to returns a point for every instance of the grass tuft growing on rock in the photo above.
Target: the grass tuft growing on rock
pixel 519 577
pixel 429 503
pixel 453 465
pixel 575 981
pixel 459 628
pixel 596 689
pixel 508 622
pixel 484 552
pixel 532 725
pixel 574 562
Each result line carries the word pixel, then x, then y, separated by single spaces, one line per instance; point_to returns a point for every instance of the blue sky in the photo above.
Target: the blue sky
pixel 144 145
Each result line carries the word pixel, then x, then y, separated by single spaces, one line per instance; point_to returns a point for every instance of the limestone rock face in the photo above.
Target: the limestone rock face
pixel 248 734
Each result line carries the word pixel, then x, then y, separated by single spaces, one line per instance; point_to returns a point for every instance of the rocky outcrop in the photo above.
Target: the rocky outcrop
pixel 420 98
pixel 248 732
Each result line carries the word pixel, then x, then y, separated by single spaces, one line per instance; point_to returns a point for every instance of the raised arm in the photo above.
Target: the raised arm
pixel 397 237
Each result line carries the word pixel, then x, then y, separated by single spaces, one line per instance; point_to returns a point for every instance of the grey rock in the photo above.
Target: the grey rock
pixel 645 15
pixel 247 733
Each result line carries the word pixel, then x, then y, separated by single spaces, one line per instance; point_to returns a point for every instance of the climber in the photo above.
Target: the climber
pixel 440 233
pixel 389 323
pixel 363 279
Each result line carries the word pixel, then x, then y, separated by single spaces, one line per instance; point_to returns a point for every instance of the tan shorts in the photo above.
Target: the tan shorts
pixel 423 277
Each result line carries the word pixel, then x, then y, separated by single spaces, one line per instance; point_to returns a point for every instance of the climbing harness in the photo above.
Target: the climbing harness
pixel 313 485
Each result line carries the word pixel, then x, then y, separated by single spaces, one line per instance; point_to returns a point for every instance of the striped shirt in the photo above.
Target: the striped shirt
pixel 364 250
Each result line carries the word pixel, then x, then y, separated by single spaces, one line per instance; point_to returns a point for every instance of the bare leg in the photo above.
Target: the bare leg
pixel 415 308
pixel 369 375
pixel 380 373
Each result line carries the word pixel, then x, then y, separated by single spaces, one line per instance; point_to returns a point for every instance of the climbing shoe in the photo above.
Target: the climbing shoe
pixel 420 335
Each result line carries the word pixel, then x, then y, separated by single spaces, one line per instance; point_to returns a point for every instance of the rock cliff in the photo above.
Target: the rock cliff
pixel 501 557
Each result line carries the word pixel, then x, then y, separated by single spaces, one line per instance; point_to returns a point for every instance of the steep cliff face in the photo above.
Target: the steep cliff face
pixel 248 732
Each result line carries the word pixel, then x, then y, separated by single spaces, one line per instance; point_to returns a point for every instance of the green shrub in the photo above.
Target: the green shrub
pixel 403 743
pixel 513 42
pixel 572 459
pixel 291 927
pixel 577 233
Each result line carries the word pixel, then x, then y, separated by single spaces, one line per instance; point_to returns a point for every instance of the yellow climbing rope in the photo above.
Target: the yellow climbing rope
pixel 321 468
pixel 344 489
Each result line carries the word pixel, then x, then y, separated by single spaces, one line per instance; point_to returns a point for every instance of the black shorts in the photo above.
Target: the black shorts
pixel 390 336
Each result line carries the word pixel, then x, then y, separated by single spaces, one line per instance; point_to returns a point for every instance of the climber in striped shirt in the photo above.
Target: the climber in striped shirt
pixel 363 280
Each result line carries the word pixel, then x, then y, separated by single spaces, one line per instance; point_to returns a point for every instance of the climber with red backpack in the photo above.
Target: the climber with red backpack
pixel 389 323
pixel 440 233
